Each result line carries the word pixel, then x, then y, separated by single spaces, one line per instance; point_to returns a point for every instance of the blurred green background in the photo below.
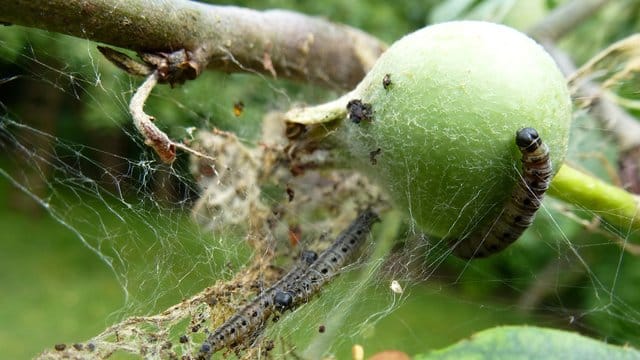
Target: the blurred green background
pixel 94 230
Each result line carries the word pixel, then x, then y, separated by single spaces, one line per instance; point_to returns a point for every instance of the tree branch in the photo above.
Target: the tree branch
pixel 564 19
pixel 614 118
pixel 226 38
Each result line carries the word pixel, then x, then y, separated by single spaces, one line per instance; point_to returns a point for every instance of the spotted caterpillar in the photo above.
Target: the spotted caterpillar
pixel 328 264
pixel 280 297
pixel 520 209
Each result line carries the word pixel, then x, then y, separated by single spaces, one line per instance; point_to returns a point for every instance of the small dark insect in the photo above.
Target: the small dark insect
pixel 78 346
pixel 60 347
pixel 321 329
pixel 386 81
pixel 238 108
pixel 184 339
pixel 373 154
pixel 269 345
pixel 290 193
pixel 91 346
pixel 519 211
pixel 359 111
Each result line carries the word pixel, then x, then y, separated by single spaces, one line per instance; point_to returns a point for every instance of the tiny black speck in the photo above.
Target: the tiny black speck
pixel 386 81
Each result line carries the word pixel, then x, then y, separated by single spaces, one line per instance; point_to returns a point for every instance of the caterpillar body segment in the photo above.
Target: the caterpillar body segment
pixel 332 259
pixel 519 211
pixel 254 314
pixel 296 287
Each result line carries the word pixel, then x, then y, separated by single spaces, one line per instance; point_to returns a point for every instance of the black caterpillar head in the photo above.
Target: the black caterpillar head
pixel 528 138
pixel 283 300
pixel 309 257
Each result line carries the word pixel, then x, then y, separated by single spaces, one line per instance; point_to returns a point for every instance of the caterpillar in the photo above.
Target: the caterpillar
pixel 519 211
pixel 280 297
pixel 254 314
pixel 328 264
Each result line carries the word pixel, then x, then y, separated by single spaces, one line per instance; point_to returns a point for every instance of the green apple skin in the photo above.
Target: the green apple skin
pixel 447 101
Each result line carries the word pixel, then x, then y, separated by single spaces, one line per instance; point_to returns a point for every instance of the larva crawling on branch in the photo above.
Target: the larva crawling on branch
pixel 252 316
pixel 296 287
pixel 329 263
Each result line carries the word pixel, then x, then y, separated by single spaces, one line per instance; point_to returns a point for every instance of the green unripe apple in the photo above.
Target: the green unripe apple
pixel 443 105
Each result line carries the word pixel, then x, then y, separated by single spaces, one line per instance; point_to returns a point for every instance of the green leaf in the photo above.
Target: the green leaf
pixel 527 342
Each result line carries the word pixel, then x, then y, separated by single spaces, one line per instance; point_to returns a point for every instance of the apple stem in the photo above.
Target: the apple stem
pixel 613 204
pixel 324 113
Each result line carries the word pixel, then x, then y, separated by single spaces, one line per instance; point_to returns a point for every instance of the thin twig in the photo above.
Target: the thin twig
pixel 546 281
pixel 153 136
pixel 626 48
pixel 593 226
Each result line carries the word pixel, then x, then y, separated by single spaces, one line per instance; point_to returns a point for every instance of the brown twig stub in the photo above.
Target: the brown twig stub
pixel 225 38
pixel 173 68
pixel 125 62
pixel 153 136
